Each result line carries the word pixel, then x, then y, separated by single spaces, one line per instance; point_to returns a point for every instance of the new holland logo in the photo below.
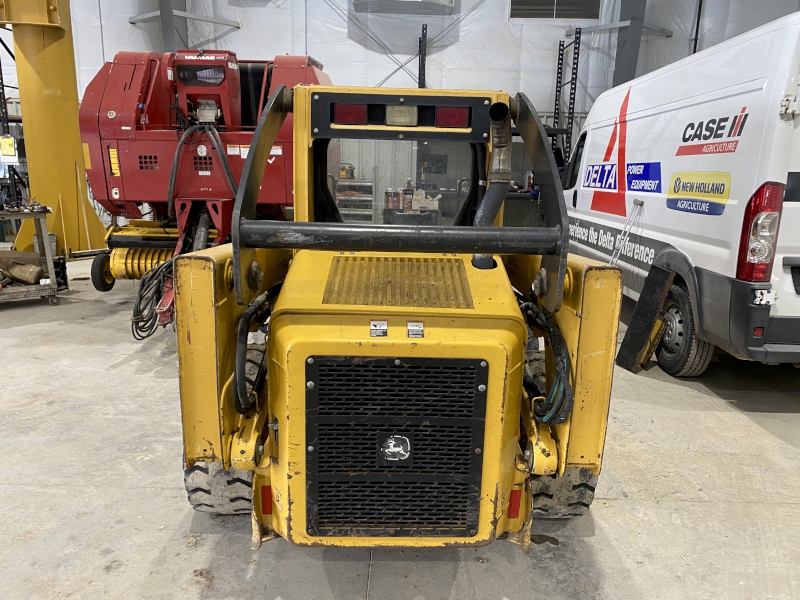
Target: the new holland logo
pixel 724 129
pixel 704 192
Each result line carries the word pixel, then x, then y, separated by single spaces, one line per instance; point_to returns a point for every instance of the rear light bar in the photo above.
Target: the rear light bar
pixel 452 116
pixel 759 233
pixel 398 115
pixel 350 114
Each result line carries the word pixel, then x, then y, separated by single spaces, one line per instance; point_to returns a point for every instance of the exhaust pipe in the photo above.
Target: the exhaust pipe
pixel 499 175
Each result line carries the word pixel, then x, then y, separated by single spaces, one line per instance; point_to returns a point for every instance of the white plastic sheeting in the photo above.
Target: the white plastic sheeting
pixel 721 20
pixel 476 47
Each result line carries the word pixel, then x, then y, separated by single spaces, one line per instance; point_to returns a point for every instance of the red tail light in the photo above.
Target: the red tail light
pixel 513 504
pixel 452 116
pixel 350 114
pixel 266 499
pixel 759 233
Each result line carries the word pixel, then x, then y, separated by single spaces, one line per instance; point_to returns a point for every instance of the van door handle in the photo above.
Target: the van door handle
pixel 574 198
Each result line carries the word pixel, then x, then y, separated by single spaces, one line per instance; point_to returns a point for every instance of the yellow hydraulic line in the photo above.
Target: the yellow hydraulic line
pixel 48 91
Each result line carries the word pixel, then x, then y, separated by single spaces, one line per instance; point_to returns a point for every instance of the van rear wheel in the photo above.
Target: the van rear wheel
pixel 681 353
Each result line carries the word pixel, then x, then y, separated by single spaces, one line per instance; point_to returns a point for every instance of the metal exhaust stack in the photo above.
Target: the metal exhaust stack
pixel 499 175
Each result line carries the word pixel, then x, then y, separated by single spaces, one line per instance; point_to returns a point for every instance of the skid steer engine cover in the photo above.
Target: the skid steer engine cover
pixel 401 399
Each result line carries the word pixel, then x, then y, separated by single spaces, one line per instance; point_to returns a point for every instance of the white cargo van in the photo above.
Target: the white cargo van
pixel 701 159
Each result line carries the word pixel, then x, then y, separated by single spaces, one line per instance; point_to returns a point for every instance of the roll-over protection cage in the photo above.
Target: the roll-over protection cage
pixel 489 132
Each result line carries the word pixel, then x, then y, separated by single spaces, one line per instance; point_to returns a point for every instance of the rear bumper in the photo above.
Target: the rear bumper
pixel 729 319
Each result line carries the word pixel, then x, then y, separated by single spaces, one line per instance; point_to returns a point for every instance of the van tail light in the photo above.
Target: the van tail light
pixel 759 233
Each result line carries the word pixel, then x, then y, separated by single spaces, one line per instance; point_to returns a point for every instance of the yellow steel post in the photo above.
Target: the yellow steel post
pixel 48 91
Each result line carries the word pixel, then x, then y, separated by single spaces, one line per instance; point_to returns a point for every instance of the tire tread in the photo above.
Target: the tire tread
pixel 210 488
pixel 563 497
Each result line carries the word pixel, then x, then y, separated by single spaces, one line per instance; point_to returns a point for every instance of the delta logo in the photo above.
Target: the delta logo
pixel 722 128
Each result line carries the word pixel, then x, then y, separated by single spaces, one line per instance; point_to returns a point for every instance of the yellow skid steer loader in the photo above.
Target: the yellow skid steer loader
pixel 388 403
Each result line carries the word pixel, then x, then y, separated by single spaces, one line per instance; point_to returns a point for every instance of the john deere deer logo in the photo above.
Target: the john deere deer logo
pixel 396 447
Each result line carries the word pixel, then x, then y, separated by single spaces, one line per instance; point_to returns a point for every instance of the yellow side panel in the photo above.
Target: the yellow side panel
pixel 588 320
pixel 594 364
pixel 206 321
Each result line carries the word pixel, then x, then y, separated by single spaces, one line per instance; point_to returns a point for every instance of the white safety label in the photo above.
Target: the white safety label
pixel 378 328
pixel 244 151
pixel 415 329
pixel 233 150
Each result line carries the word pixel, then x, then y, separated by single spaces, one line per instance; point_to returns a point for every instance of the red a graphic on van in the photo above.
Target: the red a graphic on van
pixel 609 201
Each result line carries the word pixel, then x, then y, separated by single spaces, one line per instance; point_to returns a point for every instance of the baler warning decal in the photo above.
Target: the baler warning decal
pixel 607 200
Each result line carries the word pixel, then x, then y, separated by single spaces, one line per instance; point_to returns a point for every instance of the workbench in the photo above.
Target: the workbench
pixel 48 286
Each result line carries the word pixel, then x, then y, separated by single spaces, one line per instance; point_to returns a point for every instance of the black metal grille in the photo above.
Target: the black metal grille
pixel 355 404
pixel 148 162
pixel 374 389
pixel 440 506
pixel 437 450
pixel 203 163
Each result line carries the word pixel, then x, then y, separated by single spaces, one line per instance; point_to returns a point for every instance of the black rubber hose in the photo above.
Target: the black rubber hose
pixel 487 211
pixel 557 406
pixel 144 321
pixel 201 232
pixel 173 176
pixel 499 175
pixel 260 307
pixel 215 139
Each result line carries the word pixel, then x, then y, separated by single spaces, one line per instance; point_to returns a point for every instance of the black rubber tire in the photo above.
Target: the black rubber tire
pixel 102 279
pixel 212 489
pixel 563 497
pixel 694 354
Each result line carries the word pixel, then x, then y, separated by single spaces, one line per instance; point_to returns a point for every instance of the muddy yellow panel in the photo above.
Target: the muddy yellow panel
pixel 206 321
pixel 395 385
pixel 588 320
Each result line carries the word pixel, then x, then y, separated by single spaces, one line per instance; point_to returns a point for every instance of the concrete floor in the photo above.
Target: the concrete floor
pixel 699 496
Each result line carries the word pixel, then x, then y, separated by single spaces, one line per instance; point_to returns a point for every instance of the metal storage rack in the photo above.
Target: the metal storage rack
pixel 48 289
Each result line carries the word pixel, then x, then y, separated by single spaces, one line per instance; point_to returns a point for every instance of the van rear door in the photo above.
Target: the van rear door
pixel 786 268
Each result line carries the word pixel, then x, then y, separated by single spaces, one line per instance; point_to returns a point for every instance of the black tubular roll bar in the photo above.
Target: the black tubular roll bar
pixel 550 241
pixel 400 238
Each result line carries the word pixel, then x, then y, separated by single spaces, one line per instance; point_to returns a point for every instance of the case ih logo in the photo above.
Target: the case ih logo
pixel 723 128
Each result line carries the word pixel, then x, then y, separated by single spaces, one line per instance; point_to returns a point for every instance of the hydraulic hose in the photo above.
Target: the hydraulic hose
pixel 173 176
pixel 258 309
pixel 223 157
pixel 499 175
pixel 144 321
pixel 201 232
pixel 556 407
